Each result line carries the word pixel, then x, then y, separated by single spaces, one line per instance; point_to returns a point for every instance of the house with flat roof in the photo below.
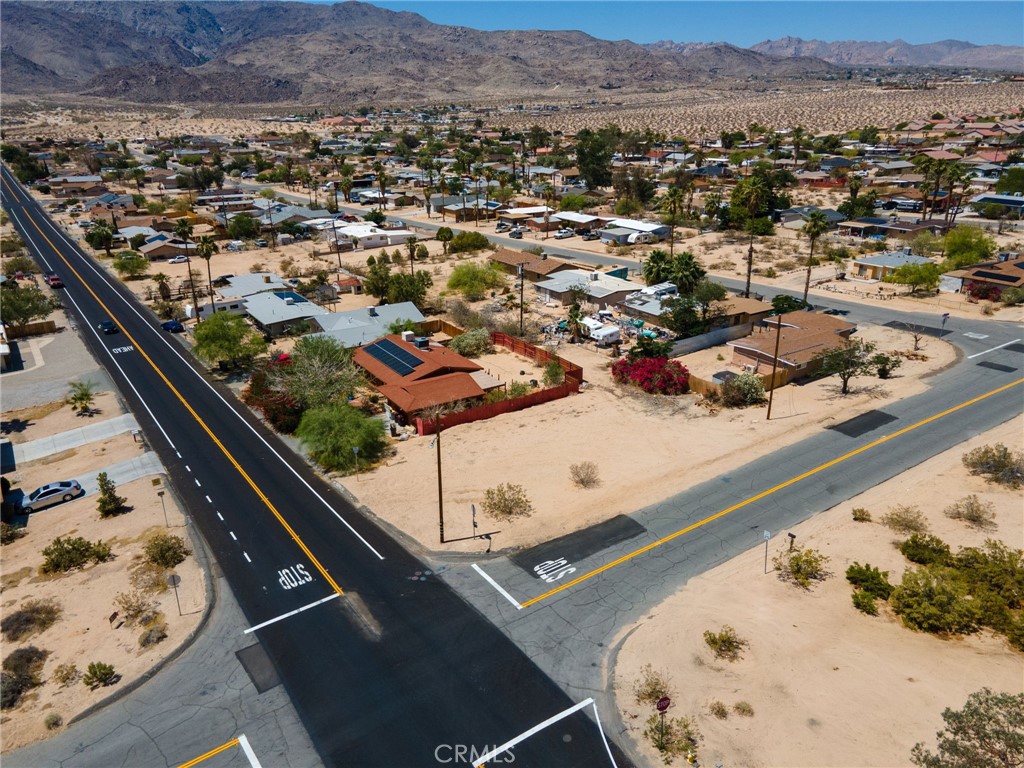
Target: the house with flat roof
pixel 878 266
pixel 597 287
pixel 803 335
pixel 357 327
pixel 275 312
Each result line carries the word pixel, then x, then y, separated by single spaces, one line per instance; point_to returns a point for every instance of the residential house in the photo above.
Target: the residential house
pixel 598 288
pixel 795 218
pixel 166 249
pixel 357 327
pixel 76 186
pixel 800 337
pixel 1006 271
pixel 276 312
pixel 1014 202
pixel 878 266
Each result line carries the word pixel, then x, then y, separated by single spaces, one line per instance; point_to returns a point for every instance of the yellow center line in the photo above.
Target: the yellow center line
pixel 763 494
pixel 211 753
pixel 196 416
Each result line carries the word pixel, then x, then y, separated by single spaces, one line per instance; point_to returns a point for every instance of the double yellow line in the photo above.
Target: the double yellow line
pixel 291 532
pixel 763 494
pixel 211 753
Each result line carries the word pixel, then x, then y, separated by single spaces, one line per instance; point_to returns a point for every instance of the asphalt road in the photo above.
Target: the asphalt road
pixel 398 670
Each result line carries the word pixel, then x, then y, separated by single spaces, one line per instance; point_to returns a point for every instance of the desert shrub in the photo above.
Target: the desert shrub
pixel 861 515
pixel 997 463
pixel 168 310
pixel 21 670
pixel 518 389
pixel 11 688
pixel 474 280
pixel 865 603
pixel 468 241
pixel 651 686
pixel 472 343
pixel 109 503
pixel 801 566
pixel 507 501
pixel 33 617
pixel 925 549
pixel 973 511
pixel 554 374
pixel 884 364
pixel 9 533
pixel 67 554
pixel 65 674
pixel 654 375
pixel 932 600
pixel 718 709
pixel 725 644
pixel 153 635
pixel 743 708
pixel 464 316
pixel 745 389
pixel 676 736
pixel 993 569
pixel 135 607
pixel 870 580
pixel 584 474
pixel 1012 296
pixel 53 721
pixel 98 674
pixel 166 550
pixel 495 396
pixel 905 519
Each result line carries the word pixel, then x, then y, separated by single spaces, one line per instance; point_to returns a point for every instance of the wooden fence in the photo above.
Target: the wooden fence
pixel 571 385
pixel 705 387
pixel 31 329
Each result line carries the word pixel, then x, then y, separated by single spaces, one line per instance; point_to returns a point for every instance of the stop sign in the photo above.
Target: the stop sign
pixel 663 703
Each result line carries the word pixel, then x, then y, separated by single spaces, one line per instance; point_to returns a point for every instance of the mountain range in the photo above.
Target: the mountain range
pixel 945 53
pixel 352 53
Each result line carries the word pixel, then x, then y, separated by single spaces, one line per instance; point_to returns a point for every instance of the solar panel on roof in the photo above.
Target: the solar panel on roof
pixel 995 276
pixel 394 357
pixel 402 354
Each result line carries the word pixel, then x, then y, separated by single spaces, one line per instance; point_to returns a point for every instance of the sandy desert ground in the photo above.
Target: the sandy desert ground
pixel 829 686
pixel 86 596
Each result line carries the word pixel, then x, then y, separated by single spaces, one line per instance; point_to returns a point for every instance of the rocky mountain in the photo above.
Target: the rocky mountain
pixel 945 53
pixel 300 53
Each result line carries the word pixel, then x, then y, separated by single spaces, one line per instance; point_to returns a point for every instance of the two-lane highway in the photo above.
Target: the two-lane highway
pixel 386 665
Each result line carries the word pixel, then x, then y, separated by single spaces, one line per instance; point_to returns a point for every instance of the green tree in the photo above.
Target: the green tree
pixel 19 306
pixel 783 304
pixel 108 503
pixel 594 158
pixel 405 287
pixel 205 248
pixel 1011 182
pixel 850 358
pixel 226 337
pixel 474 280
pixel 330 433
pixel 657 267
pixel 444 236
pixel 101 235
pixel 751 198
pixel 468 241
pixel 378 279
pixel 988 731
pixel 672 207
pixel 321 372
pixel 920 277
pixel 815 226
pixel 967 245
pixel 697 312
pixel 130 265
pixel 686 272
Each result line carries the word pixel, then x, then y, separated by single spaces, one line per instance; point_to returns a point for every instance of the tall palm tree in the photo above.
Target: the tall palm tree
pixel 854 185
pixel 754 197
pixel 410 246
pixel 798 135
pixel 686 272
pixel 102 235
pixel 183 229
pixel 444 192
pixel 205 248
pixel 550 197
pixel 657 268
pixel 382 182
pixel 815 226
pixel 672 206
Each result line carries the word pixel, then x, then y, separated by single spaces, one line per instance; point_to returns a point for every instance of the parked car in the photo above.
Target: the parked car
pixel 516 234
pixel 48 495
pixel 108 327
pixel 563 233
pixel 53 280
pixel 502 227
pixel 591 236
pixel 173 326
pixel 261 243
pixel 177 260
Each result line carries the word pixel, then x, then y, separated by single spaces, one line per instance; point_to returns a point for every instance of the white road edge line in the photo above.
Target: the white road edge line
pixel 59 233
pixel 483 759
pixel 233 537
pixel 198 484
pixel 291 613
pixel 604 738
pixel 244 744
pixel 979 354
pixel 246 556
pixel 219 515
pixel 209 500
pixel 497 586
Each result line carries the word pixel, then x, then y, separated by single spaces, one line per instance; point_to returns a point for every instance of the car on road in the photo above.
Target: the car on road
pixel 563 233
pixel 591 236
pixel 48 495
pixel 516 234
pixel 177 260
pixel 53 280
pixel 173 326
pixel 836 312
pixel 108 327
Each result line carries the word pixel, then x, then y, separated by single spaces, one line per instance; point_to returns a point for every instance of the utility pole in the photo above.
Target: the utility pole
pixel 522 280
pixel 775 366
pixel 440 495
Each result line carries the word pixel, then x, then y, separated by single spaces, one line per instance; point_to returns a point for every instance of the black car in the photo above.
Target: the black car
pixel 515 234
pixel 108 327
pixel 591 236
pixel 173 326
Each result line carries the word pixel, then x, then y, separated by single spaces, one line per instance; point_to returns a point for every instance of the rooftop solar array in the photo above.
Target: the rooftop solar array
pixel 996 276
pixel 394 357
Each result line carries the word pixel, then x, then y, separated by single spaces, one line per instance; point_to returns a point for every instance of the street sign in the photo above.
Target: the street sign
pixel 767 535
pixel 663 703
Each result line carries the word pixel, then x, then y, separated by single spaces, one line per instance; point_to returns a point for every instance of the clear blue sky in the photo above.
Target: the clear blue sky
pixel 740 23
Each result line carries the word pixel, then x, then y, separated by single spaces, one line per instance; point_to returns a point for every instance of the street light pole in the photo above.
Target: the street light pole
pixel 775 365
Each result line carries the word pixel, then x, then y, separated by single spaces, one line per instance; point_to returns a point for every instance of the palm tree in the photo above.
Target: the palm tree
pixel 549 198
pixel 102 235
pixel 686 272
pixel 854 185
pixel 410 245
pixel 382 182
pixel 657 268
pixel 162 285
pixel 672 206
pixel 206 247
pixel 754 196
pixel 799 134
pixel 574 323
pixel 444 193
pixel 815 227
pixel 183 229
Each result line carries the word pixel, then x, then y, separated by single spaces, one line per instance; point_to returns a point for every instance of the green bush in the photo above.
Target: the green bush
pixel 33 617
pixel 973 511
pixel 330 433
pixel 67 554
pixel 507 501
pixel 109 503
pixel 745 389
pixel 468 241
pixel 99 674
pixel 933 600
pixel 865 603
pixel 997 463
pixel 905 519
pixel 474 280
pixel 166 550
pixel 801 566
pixel 554 374
pixel 9 533
pixel 743 708
pixel 518 389
pixel 869 580
pixel 472 343
pixel 725 644
pixel 672 736
pixel 1012 296
pixel 925 549
pixel 861 515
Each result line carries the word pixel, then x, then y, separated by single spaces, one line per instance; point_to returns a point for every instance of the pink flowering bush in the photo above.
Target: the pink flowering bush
pixel 655 375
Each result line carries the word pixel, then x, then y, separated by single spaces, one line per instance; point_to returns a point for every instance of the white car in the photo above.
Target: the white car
pixel 178 260
pixel 563 233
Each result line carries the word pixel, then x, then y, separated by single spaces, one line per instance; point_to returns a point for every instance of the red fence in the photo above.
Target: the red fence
pixel 573 379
